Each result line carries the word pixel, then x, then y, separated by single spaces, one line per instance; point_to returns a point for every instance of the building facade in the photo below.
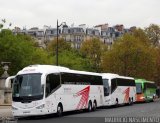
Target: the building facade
pixel 76 35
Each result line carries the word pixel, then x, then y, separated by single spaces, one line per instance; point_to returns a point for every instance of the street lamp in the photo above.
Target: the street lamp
pixel 63 23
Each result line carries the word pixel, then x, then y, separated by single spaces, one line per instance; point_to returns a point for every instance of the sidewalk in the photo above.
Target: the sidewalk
pixel 5 111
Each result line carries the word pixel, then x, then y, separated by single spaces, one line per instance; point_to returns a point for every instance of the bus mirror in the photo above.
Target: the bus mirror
pixel 9 81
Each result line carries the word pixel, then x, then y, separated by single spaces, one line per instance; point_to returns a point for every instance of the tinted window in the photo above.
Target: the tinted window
pixel 113 85
pixel 125 82
pixel 81 79
pixel 149 85
pixel 52 82
pixel 106 87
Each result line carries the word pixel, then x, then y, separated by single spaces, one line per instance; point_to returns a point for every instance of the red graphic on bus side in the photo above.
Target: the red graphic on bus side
pixel 126 97
pixel 84 97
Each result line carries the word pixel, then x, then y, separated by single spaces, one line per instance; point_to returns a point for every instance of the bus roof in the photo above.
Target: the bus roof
pixel 83 72
pixel 41 69
pixel 143 81
pixel 150 82
pixel 51 69
pixel 111 76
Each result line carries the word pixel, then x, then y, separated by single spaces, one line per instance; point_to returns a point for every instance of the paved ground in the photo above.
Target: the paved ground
pixel 5 111
pixel 137 110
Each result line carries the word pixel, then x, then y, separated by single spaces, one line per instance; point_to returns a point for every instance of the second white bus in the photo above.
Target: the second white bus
pixel 118 89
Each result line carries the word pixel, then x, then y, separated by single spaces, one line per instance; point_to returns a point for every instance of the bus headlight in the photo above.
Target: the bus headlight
pixel 14 108
pixel 142 97
pixel 40 107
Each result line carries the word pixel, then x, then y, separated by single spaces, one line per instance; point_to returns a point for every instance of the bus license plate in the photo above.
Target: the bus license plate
pixel 26 112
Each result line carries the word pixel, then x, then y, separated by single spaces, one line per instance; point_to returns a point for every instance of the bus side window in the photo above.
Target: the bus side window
pixel 52 82
pixel 144 88
pixel 106 87
pixel 113 85
pixel 47 86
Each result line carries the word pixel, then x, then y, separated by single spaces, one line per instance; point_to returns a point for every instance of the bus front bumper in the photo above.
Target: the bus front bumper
pixel 140 98
pixel 30 112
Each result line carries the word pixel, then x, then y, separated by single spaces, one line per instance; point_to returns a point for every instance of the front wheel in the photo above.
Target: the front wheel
pixel 59 111
pixel 116 105
pixel 129 101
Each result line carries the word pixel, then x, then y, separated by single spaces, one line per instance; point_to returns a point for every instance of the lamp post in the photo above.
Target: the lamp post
pixel 63 23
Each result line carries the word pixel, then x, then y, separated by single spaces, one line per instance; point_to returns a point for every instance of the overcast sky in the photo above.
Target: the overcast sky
pixel 37 13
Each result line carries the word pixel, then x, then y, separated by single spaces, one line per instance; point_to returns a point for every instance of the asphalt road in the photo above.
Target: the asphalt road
pixel 136 110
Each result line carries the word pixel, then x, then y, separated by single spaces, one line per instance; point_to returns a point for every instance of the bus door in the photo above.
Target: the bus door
pixel 106 90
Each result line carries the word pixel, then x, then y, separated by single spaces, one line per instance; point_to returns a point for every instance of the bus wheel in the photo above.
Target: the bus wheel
pixel 89 106
pixel 154 98
pixel 94 105
pixel 129 101
pixel 116 105
pixel 59 110
pixel 132 100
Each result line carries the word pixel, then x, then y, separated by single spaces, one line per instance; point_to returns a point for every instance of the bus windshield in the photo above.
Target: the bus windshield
pixel 138 88
pixel 27 87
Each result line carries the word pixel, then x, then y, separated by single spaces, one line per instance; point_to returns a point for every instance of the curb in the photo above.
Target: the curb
pixel 5 104
pixel 5 107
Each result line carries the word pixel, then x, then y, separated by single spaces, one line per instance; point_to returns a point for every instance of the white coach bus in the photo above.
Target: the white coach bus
pixel 118 89
pixel 46 89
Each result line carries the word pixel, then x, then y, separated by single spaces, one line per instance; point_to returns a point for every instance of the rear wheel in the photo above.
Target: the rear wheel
pixel 129 101
pixel 132 100
pixel 94 105
pixel 89 106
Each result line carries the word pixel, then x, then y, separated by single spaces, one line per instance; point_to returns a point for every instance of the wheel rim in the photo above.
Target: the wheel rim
pixel 90 107
pixel 129 101
pixel 59 110
pixel 94 106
